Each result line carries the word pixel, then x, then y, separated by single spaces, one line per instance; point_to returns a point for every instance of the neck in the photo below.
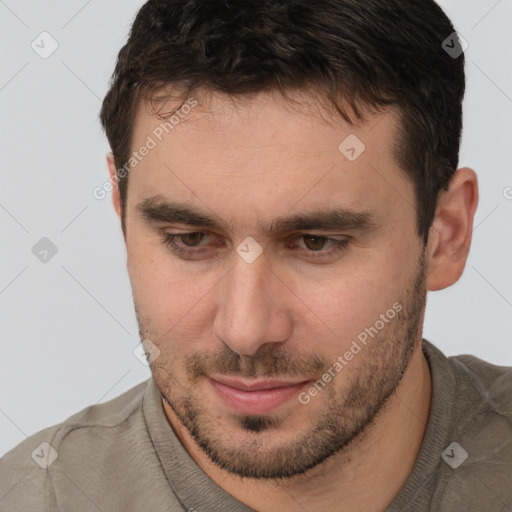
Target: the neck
pixel 366 476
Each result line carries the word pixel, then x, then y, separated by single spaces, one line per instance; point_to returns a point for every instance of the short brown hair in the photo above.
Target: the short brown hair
pixel 370 53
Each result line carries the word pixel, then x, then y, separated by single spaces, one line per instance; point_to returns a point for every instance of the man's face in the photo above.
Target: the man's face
pixel 250 321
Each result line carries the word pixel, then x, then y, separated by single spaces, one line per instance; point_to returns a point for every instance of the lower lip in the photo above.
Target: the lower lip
pixel 258 402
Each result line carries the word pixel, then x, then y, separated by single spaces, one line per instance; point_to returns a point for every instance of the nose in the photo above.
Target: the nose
pixel 252 307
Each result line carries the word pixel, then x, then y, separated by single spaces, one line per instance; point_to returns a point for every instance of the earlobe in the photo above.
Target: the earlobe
pixel 114 180
pixel 451 231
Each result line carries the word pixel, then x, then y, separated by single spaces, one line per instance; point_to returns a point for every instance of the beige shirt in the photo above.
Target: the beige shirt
pixel 123 455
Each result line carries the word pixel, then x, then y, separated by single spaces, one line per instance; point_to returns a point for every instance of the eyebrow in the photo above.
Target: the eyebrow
pixel 157 209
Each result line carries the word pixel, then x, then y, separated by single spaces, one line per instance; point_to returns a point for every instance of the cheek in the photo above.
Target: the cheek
pixel 337 313
pixel 151 284
pixel 170 301
pixel 351 302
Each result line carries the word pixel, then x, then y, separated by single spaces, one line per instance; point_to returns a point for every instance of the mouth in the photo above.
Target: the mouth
pixel 255 396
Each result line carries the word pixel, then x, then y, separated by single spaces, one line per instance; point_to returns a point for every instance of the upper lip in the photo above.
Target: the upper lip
pixel 255 384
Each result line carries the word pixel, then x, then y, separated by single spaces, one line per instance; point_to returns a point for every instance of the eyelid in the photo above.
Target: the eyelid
pixel 337 246
pixel 291 236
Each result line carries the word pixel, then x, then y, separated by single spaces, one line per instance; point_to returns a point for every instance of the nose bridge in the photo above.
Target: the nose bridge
pixel 250 312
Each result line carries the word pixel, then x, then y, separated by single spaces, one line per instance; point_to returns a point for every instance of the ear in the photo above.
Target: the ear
pixel 116 196
pixel 451 231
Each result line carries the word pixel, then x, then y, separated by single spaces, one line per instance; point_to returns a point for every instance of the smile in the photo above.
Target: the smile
pixel 255 397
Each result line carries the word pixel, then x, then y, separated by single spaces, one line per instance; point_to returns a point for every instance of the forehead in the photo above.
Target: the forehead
pixel 299 112
pixel 265 156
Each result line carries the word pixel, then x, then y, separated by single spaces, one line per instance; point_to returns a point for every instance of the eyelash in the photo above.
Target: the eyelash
pixel 337 246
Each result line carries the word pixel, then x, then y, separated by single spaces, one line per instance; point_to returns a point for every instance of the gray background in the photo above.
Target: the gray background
pixel 67 327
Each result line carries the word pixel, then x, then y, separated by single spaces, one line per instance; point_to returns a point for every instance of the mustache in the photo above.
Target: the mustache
pixel 267 362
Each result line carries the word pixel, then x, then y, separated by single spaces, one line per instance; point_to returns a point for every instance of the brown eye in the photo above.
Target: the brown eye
pixel 184 244
pixel 318 246
pixel 193 237
pixel 317 242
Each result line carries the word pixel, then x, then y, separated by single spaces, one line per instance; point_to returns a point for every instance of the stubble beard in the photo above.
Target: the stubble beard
pixel 346 416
